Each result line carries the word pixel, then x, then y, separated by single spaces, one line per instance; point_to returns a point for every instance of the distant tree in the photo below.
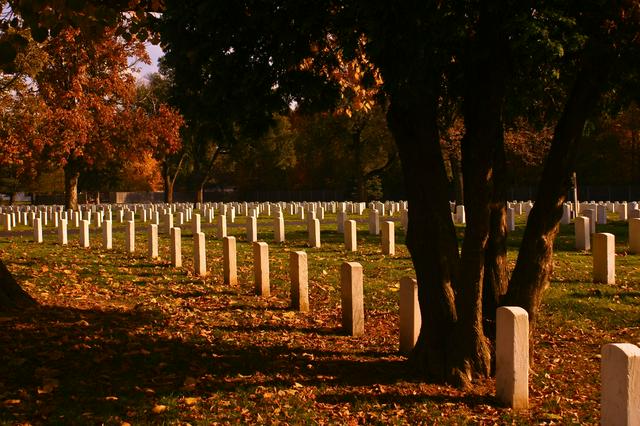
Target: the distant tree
pixel 89 91
pixel 165 123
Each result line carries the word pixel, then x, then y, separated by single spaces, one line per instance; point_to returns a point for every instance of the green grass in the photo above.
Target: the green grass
pixel 116 336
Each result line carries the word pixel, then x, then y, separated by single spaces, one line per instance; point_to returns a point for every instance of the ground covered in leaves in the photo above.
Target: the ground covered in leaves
pixel 121 338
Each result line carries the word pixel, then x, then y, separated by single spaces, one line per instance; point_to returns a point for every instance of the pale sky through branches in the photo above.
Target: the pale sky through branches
pixel 155 53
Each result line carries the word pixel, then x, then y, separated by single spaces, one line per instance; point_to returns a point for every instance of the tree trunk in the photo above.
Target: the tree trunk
pixel 97 197
pixel 168 191
pixel 431 237
pixel 361 178
pixel 12 296
pixel 168 183
pixel 484 92
pixel 535 259
pixel 200 193
pixel 71 176
pixel 456 177
pixel 496 276
pixel 12 198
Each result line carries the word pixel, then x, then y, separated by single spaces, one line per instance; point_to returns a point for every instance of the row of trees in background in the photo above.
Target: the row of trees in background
pixel 74 116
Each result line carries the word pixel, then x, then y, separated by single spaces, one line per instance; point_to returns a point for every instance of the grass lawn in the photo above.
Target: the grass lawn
pixel 121 338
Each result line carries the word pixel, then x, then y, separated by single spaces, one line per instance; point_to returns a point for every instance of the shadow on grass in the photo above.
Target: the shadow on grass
pixel 71 366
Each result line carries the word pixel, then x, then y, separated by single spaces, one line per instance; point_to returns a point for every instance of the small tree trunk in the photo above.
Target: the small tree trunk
pixel 168 191
pixel 71 176
pixel 12 198
pixel 361 179
pixel 97 197
pixel 12 296
pixel 535 259
pixel 200 193
pixel 168 183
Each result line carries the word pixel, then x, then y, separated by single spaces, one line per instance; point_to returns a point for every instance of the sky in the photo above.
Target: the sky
pixel 155 52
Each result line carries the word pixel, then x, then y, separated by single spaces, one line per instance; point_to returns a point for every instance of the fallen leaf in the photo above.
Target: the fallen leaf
pixel 191 400
pixel 158 409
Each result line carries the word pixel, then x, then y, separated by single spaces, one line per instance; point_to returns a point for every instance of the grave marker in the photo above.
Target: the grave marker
pixel 153 241
pixel 350 236
pixel 107 235
pixel 604 269
pixel 352 299
pixel 299 281
pixel 176 247
pixel 230 269
pixel 261 269
pixel 410 319
pixel 512 357
pixel 388 238
pixel 620 378
pixel 199 254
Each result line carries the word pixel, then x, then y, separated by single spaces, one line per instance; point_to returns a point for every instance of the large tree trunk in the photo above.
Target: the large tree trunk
pixel 535 259
pixel 431 237
pixel 485 82
pixel 496 275
pixel 12 296
pixel 71 176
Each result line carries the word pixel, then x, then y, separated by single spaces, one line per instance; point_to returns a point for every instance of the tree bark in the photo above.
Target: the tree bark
pixel 12 198
pixel 12 296
pixel 431 237
pixel 168 183
pixel 534 266
pixel 485 83
pixel 71 176
pixel 200 193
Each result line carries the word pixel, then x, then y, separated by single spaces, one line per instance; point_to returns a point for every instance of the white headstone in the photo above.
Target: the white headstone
pixel 512 357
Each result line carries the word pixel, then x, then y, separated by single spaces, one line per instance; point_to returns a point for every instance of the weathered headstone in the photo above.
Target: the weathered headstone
pixel 230 269
pixel 511 219
pixel 620 379
pixel 634 236
pixel 278 229
pixel 261 269
pixel 410 319
pixel 176 247
pixel 374 222
pixel 195 224
pixel 601 212
pixel 604 269
pixel 153 240
pixel 350 236
pixel 199 254
pixel 512 357
pixel 341 218
pixel 352 298
pixel 222 226
pixel 84 233
pixel 62 232
pixel 37 230
pixel 107 235
pixel 388 238
pixel 130 236
pixel 299 281
pixel 252 229
pixel 583 236
pixel 314 233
